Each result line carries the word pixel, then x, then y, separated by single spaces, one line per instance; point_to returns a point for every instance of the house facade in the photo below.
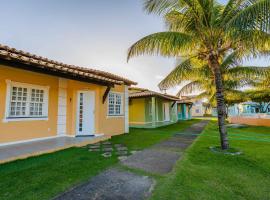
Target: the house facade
pixel 248 108
pixel 184 109
pixel 149 109
pixel 41 98
pixel 199 107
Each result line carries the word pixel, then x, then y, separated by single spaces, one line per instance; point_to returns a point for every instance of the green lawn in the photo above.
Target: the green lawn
pixel 143 138
pixel 43 177
pixel 202 174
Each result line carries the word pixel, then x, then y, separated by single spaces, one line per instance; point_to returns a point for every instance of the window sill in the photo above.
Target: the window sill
pixel 115 116
pixel 25 119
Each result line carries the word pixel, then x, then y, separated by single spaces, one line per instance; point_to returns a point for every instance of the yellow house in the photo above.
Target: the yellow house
pixel 42 98
pixel 149 109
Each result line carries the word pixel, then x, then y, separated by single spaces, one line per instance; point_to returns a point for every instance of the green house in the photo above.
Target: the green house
pixel 184 110
pixel 149 109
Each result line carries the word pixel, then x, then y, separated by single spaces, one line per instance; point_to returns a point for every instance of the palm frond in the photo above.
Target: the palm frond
pixel 248 72
pixel 160 6
pixel 255 15
pixel 187 70
pixel 232 60
pixel 162 43
pixel 179 74
pixel 190 88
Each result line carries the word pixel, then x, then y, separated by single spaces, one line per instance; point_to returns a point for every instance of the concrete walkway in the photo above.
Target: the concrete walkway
pixel 115 184
pixel 28 149
pixel 161 158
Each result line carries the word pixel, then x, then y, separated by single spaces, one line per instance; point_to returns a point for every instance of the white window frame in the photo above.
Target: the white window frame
pixel 11 84
pixel 121 106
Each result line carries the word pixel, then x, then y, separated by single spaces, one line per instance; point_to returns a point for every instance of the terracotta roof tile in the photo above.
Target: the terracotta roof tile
pixel 141 92
pixel 35 61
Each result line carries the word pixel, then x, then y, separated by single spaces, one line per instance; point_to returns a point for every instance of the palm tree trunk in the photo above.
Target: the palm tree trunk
pixel 221 108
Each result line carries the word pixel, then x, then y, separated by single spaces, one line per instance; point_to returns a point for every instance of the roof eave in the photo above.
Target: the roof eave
pixel 43 70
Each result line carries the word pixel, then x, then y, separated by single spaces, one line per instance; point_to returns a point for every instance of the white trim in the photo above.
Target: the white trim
pixel 24 119
pixel 62 107
pixel 7 100
pixel 10 84
pixel 115 116
pixel 166 114
pixel 30 140
pixel 126 111
pixel 121 107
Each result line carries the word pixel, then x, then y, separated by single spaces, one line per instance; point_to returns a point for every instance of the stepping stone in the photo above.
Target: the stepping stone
pixel 94 147
pixel 107 146
pixel 107 149
pixel 106 142
pixel 133 152
pixel 107 155
pixel 121 148
pixel 122 158
pixel 122 153
pixel 118 145
pixel 94 150
pixel 112 184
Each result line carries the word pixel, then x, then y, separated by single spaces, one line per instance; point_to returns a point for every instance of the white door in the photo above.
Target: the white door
pixel 85 113
pixel 166 111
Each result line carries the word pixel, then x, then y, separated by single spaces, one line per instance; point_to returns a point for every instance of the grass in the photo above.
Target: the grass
pixel 142 138
pixel 202 174
pixel 45 176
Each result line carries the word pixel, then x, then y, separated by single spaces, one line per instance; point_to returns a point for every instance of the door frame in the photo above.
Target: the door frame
pixel 93 94
pixel 164 112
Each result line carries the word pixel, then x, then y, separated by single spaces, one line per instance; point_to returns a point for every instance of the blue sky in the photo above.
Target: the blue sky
pixel 89 33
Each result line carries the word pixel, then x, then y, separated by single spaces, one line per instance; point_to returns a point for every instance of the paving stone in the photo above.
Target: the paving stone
pixel 112 184
pixel 153 161
pixel 107 154
pixel 172 145
pixel 121 158
pixel 107 149
pixel 118 145
pixel 133 152
pixel 121 153
pixel 106 142
pixel 158 159
pixel 94 150
pixel 121 148
pixel 94 147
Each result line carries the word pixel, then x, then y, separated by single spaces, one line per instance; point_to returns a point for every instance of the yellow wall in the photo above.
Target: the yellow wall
pixel 25 130
pixel 103 123
pixel 137 111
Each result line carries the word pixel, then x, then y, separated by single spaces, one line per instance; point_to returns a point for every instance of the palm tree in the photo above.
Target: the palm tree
pixel 235 77
pixel 261 92
pixel 205 31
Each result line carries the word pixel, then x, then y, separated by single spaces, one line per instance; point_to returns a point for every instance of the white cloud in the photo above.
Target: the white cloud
pixel 159 77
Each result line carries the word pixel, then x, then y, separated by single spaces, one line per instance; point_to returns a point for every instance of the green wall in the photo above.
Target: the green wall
pixel 159 109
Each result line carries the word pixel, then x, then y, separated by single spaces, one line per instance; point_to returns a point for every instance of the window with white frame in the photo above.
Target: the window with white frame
pixel 27 101
pixel 115 104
